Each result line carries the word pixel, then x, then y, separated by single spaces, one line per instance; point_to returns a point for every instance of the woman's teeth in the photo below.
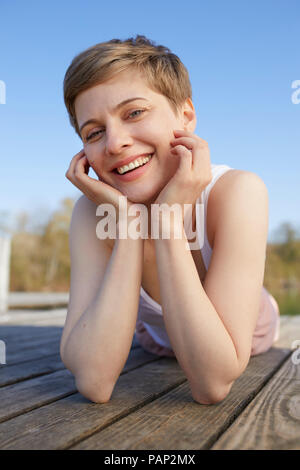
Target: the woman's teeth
pixel 135 164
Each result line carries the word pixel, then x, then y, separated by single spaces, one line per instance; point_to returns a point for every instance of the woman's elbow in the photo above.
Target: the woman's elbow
pixel 94 390
pixel 88 384
pixel 213 397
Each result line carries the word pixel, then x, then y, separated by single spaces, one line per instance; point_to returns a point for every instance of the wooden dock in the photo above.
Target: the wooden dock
pixel 151 407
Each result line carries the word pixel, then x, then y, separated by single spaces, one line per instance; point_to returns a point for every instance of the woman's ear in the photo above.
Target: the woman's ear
pixel 189 116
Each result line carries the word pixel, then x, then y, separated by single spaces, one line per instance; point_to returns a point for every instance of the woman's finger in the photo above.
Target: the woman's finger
pixel 81 172
pixel 187 141
pixel 201 161
pixel 93 188
pixel 185 162
pixel 73 162
pixel 200 151
pixel 82 166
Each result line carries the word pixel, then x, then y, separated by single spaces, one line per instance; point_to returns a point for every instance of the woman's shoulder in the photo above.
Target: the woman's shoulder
pixel 229 186
pixel 84 222
pixel 84 213
pixel 231 179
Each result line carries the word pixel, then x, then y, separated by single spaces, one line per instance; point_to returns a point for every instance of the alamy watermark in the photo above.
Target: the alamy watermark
pixel 296 354
pixel 161 223
pixel 2 352
pixel 2 92
pixel 296 94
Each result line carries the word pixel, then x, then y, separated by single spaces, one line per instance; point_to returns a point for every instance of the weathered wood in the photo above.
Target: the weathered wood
pixel 151 404
pixel 24 333
pixel 18 345
pixel 18 372
pixel 18 342
pixel 272 420
pixel 175 421
pixel 19 356
pixel 73 418
pixel 52 363
pixel 29 394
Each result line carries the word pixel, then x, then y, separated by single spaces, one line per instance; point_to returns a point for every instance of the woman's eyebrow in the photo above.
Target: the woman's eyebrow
pixel 94 121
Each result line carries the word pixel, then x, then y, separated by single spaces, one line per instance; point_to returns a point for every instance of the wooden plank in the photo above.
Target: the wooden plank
pixel 44 365
pixel 175 421
pixel 65 422
pixel 19 341
pixel 272 420
pixel 26 395
pixel 17 345
pixel 18 372
pixel 14 333
pixel 19 356
pixel 29 394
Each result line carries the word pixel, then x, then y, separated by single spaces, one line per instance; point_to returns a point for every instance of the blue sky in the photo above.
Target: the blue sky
pixel 242 57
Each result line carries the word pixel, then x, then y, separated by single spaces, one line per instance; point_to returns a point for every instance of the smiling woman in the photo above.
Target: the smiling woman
pixel 130 102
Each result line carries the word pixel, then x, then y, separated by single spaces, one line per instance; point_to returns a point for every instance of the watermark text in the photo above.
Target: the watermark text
pixel 2 352
pixel 296 94
pixel 2 92
pixel 296 354
pixel 166 222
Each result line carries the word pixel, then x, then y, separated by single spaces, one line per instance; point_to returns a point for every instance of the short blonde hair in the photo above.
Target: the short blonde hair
pixel 164 72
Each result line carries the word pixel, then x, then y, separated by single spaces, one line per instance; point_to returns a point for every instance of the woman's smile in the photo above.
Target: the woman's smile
pixel 134 173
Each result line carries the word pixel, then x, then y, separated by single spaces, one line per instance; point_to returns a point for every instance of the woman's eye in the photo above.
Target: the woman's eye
pixel 137 111
pixel 93 134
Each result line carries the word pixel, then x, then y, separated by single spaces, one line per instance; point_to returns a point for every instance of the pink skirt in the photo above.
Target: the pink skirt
pixel 265 334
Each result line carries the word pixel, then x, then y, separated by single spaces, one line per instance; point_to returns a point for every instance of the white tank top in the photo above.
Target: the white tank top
pixel 150 312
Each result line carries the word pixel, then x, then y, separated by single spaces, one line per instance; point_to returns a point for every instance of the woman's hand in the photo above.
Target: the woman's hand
pixel 192 176
pixel 96 191
pixel 193 173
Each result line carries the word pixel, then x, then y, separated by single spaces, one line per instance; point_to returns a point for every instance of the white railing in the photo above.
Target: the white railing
pixel 5 244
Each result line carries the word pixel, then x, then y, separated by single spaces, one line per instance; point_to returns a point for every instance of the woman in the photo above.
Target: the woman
pixel 130 101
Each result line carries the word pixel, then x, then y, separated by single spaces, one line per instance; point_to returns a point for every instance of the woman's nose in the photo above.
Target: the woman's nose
pixel 116 139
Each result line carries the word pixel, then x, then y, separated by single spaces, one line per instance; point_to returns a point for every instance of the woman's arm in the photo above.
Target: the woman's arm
pixel 210 326
pixel 103 306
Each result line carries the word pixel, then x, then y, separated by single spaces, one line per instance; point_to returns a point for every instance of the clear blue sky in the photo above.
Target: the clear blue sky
pixel 242 57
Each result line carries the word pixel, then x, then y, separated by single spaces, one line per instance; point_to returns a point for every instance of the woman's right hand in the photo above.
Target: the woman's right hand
pixel 96 191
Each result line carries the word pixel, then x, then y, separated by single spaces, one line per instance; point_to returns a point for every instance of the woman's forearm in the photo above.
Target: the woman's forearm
pixel 99 344
pixel 199 338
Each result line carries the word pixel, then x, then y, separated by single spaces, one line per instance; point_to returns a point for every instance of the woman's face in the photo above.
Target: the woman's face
pixel 144 125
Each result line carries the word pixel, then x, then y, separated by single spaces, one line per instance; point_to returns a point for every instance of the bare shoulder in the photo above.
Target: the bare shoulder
pixel 232 188
pixel 84 221
pixel 84 209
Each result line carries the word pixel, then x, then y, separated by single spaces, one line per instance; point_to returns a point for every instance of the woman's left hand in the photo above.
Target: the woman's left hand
pixel 193 173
